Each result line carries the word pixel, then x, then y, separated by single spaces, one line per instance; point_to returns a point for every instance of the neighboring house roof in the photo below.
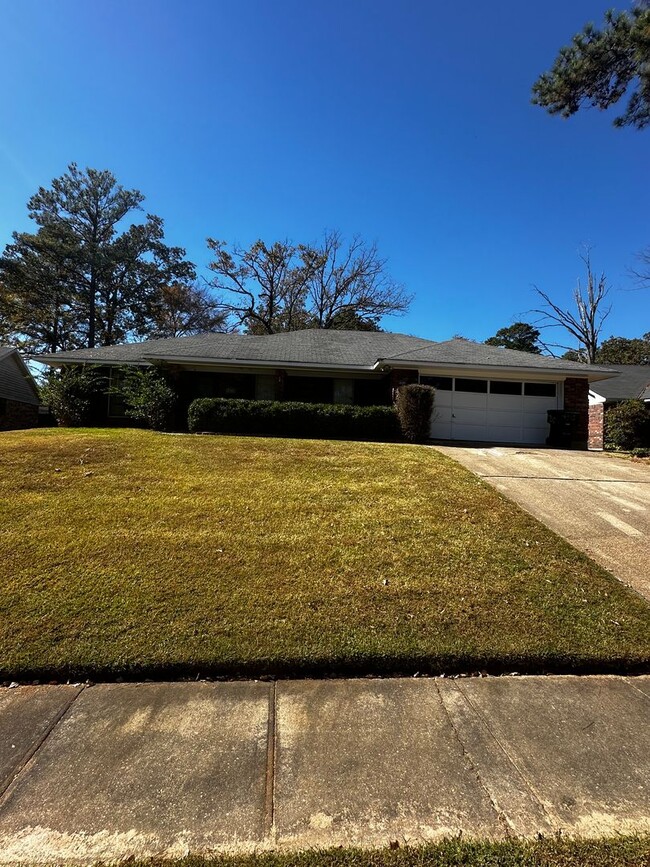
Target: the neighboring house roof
pixel 16 382
pixel 633 381
pixel 324 348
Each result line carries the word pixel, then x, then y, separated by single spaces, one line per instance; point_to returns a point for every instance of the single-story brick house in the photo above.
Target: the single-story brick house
pixel 19 399
pixel 483 393
pixel 631 383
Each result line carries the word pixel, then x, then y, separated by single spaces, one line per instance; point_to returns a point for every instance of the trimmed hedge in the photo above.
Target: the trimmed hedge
pixel 414 406
pixel 292 419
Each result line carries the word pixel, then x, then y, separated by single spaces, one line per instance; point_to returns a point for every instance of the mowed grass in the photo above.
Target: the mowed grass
pixel 133 553
pixel 611 852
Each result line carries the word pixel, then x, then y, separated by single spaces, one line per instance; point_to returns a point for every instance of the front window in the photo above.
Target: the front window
pixel 344 391
pixel 265 387
pixel 116 402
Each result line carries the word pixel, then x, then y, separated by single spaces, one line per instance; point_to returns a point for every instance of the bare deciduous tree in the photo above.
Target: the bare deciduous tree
pixel 349 280
pixel 642 274
pixel 585 323
pixel 266 285
pixel 183 308
pixel 285 287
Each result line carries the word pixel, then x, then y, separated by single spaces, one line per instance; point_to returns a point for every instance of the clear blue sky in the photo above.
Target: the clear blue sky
pixel 408 122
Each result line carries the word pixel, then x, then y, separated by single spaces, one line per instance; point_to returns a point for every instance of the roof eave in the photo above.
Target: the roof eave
pixel 255 362
pixel 53 361
pixel 591 375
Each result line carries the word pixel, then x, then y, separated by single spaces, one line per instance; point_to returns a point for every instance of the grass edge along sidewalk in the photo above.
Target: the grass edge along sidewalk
pixel 624 851
pixel 132 554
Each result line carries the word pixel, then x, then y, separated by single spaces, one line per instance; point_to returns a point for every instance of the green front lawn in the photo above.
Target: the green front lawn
pixel 616 852
pixel 134 553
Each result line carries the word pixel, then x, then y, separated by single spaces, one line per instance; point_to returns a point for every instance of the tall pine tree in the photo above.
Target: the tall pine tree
pixel 86 277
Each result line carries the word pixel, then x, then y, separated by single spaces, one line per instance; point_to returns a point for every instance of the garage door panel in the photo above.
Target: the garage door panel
pixel 539 404
pixel 469 400
pixel 441 430
pixel 534 435
pixel 441 416
pixel 491 417
pixel 442 398
pixel 503 417
pixel 505 401
pixel 536 419
pixel 469 416
pixel 505 434
pixel 441 413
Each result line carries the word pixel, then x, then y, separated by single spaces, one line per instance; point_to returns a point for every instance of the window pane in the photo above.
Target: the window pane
pixel 309 389
pixel 264 387
pixel 539 389
pixel 237 385
pixel 344 391
pixel 371 392
pixel 500 387
pixel 116 402
pixel 442 383
pixel 477 385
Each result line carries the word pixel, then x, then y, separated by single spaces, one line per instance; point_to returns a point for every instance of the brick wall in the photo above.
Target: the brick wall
pixel 17 415
pixel 596 426
pixel 576 398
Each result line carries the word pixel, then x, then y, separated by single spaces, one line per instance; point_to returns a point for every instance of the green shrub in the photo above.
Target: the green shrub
pixel 74 393
pixel 414 405
pixel 627 426
pixel 292 419
pixel 148 396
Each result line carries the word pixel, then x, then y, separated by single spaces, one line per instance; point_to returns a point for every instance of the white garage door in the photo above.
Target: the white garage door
pixel 491 410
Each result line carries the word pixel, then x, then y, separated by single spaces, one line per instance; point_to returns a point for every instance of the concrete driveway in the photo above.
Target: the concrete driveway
pixel 601 504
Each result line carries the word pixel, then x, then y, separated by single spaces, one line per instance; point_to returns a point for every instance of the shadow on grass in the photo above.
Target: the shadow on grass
pixel 342 667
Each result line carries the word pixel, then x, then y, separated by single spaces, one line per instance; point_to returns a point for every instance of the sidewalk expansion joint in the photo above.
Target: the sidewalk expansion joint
pixel 31 753
pixel 481 716
pixel 271 745
pixel 501 816
pixel 630 682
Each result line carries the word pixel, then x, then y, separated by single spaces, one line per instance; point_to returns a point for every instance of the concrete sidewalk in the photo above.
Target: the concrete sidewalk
pixel 162 768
